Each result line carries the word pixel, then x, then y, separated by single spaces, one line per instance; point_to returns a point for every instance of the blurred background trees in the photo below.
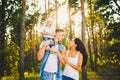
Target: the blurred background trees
pixel 98 27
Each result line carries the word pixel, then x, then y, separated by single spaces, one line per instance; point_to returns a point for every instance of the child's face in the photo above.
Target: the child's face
pixel 49 23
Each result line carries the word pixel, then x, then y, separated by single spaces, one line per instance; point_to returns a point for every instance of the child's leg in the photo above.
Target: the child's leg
pixel 53 42
pixel 47 38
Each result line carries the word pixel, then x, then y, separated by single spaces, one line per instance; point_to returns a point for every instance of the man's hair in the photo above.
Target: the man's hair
pixel 59 30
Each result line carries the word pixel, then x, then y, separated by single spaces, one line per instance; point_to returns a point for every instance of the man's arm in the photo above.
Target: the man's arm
pixel 42 49
pixel 40 53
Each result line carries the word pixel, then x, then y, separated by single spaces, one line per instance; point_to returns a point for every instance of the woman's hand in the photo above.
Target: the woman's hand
pixel 54 50
pixel 66 60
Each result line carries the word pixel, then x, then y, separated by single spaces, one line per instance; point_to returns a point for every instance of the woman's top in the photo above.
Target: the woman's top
pixel 69 71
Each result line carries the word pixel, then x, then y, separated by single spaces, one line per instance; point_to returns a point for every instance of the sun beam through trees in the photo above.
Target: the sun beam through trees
pixel 99 21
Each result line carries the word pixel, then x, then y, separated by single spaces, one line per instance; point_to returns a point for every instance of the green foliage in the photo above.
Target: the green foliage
pixel 114 31
pixel 10 55
pixel 110 57
pixel 31 20
pixel 28 76
pixel 31 64
pixel 73 3
pixel 11 58
pixel 93 76
pixel 14 20
pixel 100 3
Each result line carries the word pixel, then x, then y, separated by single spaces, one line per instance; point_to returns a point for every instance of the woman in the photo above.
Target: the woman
pixel 75 59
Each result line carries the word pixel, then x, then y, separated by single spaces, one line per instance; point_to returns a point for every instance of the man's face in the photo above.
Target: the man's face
pixel 60 36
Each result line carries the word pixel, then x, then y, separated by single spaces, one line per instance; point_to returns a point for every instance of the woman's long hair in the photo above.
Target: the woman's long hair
pixel 80 47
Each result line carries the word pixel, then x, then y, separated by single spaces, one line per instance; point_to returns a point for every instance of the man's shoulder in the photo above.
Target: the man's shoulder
pixel 41 44
pixel 61 46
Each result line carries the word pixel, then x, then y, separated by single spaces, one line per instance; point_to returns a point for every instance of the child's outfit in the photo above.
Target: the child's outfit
pixel 49 37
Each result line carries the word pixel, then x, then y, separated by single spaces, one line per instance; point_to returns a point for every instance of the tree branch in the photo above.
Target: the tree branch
pixel 116 4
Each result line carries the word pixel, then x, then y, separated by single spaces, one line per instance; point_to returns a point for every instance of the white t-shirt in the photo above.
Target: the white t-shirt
pixel 51 64
pixel 50 30
pixel 69 71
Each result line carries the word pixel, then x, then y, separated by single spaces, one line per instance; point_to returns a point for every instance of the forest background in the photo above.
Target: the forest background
pixel 95 22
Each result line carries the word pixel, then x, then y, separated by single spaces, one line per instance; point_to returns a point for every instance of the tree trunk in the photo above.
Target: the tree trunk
pixel 2 24
pixel 84 70
pixel 21 77
pixel 48 14
pixel 56 14
pixel 2 36
pixel 93 37
pixel 70 27
pixel 100 39
pixel 95 50
pixel 45 10
pixel 89 47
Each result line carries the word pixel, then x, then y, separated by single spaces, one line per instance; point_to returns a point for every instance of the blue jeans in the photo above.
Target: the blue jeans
pixel 66 78
pixel 47 38
pixel 48 76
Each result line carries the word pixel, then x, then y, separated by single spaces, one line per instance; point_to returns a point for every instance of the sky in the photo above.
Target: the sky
pixel 63 16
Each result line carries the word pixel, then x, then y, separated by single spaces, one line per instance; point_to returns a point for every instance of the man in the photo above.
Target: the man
pixel 50 69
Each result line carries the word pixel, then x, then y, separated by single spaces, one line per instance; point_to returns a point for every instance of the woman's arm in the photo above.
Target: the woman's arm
pixel 78 67
pixel 60 55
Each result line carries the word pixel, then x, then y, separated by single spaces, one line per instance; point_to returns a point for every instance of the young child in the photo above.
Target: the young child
pixel 48 31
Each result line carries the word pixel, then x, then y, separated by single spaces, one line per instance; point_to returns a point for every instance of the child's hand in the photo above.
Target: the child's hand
pixel 48 42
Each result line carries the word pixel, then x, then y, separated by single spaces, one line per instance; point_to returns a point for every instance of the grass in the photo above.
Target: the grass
pixel 35 76
pixel 28 76
pixel 94 76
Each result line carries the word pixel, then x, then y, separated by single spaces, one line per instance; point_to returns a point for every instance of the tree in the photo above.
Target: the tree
pixel 89 46
pixel 69 11
pixel 56 11
pixel 22 40
pixel 2 35
pixel 84 71
pixel 72 4
pixel 109 10
pixel 45 9
pixel 93 36
pixel 2 24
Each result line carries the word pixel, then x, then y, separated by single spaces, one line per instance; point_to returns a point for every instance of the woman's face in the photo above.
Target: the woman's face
pixel 72 43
